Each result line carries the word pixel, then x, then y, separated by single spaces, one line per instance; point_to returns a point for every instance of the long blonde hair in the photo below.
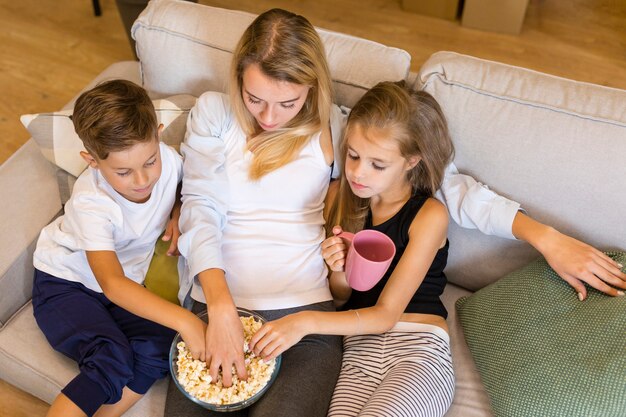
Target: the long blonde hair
pixel 417 123
pixel 286 47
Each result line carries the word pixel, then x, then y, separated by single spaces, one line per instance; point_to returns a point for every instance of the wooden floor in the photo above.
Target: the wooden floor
pixel 50 49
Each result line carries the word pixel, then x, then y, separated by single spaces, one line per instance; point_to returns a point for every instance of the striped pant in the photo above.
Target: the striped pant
pixel 406 371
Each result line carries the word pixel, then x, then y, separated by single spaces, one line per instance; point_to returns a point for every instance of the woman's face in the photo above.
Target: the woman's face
pixel 272 103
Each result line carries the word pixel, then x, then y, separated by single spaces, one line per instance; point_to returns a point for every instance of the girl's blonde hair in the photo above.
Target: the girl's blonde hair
pixel 416 122
pixel 286 47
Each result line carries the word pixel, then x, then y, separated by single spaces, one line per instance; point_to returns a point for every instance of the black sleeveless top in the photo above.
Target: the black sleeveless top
pixel 426 298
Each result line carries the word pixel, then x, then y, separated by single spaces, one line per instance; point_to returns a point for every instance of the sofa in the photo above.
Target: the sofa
pixel 556 146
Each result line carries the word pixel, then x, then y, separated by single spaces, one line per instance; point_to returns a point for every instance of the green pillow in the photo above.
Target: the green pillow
pixel 542 352
pixel 162 275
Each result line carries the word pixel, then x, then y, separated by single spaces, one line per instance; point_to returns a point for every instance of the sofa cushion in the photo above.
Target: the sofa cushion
pixel 162 275
pixel 54 132
pixel 28 362
pixel 185 47
pixel 542 352
pixel 556 146
pixel 470 398
pixel 30 200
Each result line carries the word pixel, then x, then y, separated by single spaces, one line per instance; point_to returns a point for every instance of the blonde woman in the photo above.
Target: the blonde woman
pixel 257 165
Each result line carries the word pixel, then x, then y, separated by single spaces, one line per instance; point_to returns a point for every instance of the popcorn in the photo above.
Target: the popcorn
pixel 194 377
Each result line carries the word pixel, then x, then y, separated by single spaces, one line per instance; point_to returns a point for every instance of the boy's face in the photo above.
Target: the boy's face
pixel 132 172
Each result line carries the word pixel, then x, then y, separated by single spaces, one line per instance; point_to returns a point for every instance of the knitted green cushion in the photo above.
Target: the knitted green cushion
pixel 542 352
pixel 162 276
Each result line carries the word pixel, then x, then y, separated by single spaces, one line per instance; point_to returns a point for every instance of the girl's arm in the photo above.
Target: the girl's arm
pixel 135 298
pixel 427 234
pixel 334 252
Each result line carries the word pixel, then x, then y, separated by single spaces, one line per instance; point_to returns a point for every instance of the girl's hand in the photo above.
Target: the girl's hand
pixel 172 233
pixel 275 337
pixel 224 345
pixel 577 262
pixel 193 334
pixel 334 251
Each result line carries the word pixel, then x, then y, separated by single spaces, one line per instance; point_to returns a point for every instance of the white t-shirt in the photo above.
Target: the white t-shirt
pixel 98 218
pixel 264 234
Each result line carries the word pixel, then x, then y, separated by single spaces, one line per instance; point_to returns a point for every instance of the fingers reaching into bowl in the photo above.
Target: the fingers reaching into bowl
pixel 193 333
pixel 224 346
pixel 275 337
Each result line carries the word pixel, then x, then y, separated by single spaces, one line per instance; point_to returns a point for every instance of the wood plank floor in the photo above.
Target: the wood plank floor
pixel 50 49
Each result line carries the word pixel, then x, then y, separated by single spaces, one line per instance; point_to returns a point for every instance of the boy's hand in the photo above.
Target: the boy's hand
pixel 334 251
pixel 172 233
pixel 275 337
pixel 193 334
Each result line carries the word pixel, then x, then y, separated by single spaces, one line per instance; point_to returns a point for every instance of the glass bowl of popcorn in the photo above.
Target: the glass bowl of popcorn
pixel 192 378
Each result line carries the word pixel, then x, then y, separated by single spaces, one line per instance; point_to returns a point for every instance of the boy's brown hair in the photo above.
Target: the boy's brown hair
pixel 114 116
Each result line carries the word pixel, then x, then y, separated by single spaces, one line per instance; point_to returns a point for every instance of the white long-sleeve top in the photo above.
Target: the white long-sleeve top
pixel 266 234
pixel 473 205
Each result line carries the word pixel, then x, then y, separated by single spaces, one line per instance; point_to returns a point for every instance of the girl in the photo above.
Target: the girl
pixel 396 354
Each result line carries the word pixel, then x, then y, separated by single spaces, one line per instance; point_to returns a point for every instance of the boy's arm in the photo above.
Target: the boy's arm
pixel 135 298
pixel 172 230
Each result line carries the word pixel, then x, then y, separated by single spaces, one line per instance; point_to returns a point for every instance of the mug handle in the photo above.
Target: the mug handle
pixel 346 235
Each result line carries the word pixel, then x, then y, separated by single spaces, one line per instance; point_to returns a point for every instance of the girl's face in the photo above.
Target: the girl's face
pixel 374 164
pixel 132 172
pixel 272 103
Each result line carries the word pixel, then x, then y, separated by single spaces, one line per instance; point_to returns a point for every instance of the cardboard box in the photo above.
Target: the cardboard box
pixel 504 16
pixel 444 9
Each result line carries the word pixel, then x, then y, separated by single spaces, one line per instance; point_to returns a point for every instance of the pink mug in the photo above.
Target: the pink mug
pixel 369 257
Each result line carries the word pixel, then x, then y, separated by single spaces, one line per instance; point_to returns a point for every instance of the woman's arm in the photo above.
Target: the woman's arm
pixel 224 341
pixel 427 234
pixel 473 205
pixel 203 216
pixel 140 301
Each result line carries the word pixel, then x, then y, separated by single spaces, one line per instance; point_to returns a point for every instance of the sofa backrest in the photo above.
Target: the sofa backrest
pixel 557 146
pixel 186 48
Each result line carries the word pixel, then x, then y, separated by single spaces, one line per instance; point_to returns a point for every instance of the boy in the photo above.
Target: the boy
pixel 90 263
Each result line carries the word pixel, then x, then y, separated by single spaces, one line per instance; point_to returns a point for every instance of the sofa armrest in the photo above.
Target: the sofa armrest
pixel 30 200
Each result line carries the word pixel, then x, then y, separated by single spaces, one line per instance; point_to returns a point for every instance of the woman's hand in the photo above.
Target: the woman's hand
pixel 575 261
pixel 334 251
pixel 275 337
pixel 224 344
pixel 172 232
pixel 578 263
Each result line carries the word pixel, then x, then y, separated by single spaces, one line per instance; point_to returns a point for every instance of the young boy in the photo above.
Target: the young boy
pixel 90 263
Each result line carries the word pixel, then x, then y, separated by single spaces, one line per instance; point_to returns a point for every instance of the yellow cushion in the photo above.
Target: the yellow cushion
pixel 162 276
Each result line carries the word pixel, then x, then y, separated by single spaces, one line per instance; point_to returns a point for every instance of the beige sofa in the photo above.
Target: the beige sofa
pixel 554 145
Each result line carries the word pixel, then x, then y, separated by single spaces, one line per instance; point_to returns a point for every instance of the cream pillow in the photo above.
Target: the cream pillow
pixel 185 47
pixel 59 143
